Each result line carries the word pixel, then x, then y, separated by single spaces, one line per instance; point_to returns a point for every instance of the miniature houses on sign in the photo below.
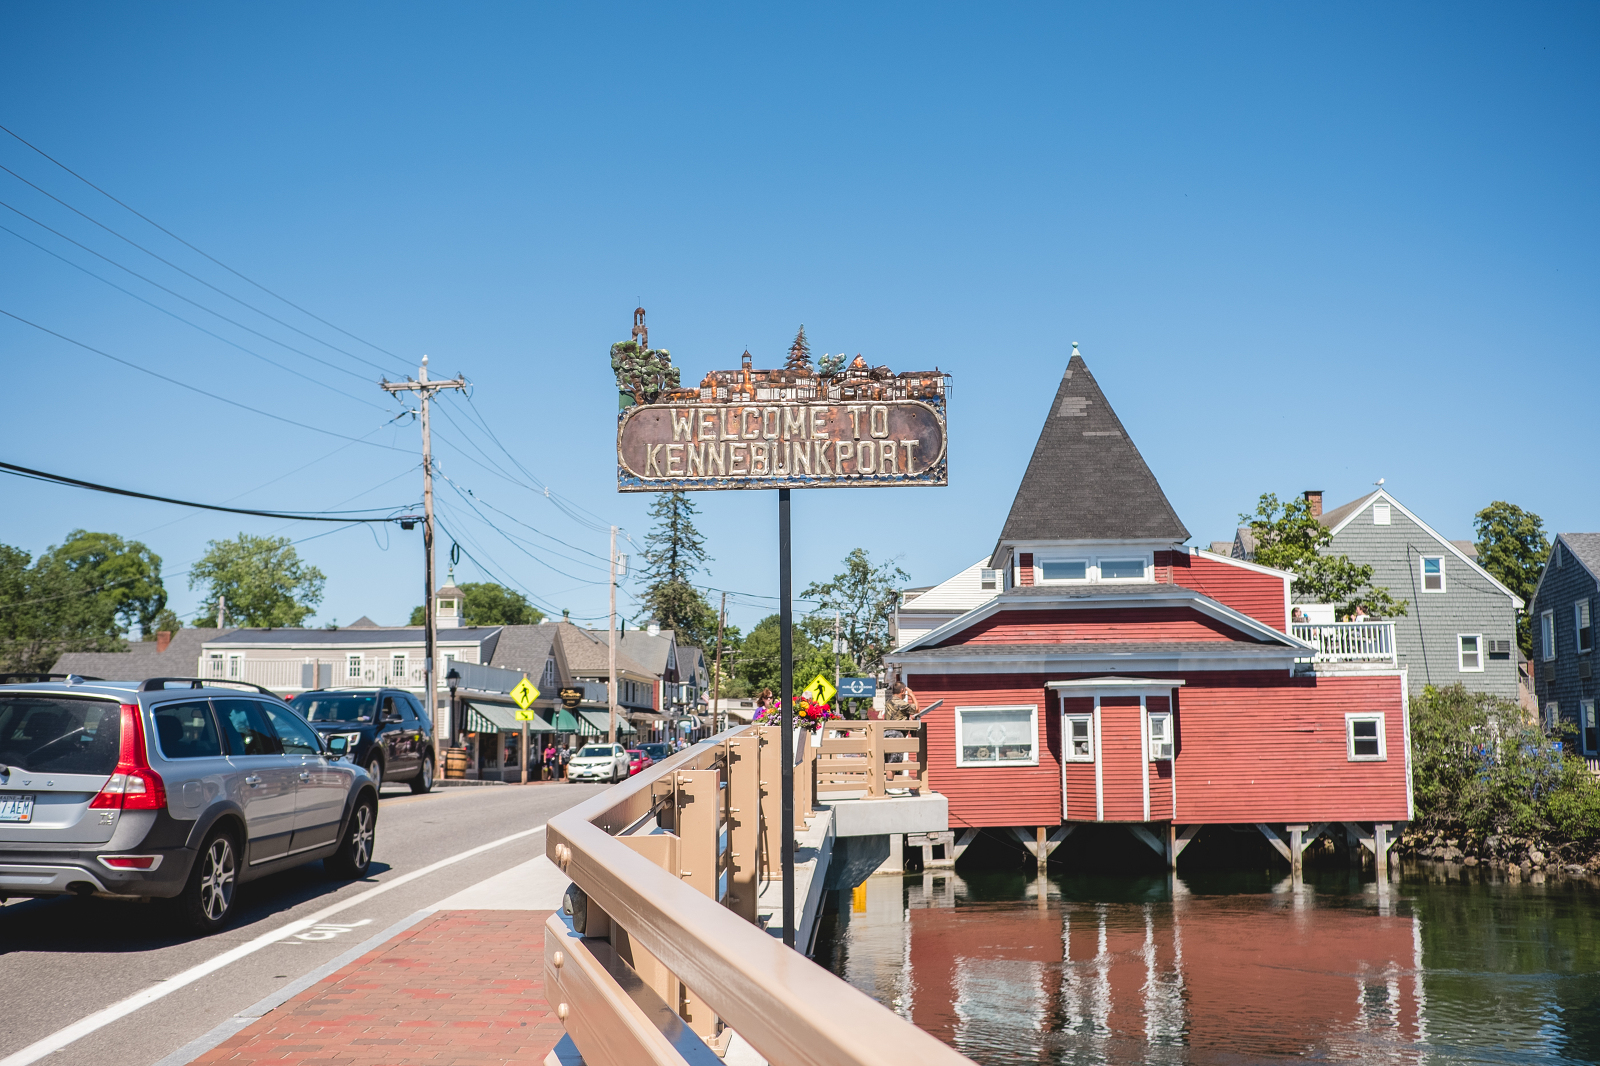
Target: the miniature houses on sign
pixel 1100 671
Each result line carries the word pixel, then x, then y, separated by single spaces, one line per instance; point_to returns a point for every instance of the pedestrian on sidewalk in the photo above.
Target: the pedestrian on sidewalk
pixel 549 760
pixel 564 755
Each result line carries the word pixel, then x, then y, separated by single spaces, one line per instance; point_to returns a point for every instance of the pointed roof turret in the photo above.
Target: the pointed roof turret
pixel 1086 480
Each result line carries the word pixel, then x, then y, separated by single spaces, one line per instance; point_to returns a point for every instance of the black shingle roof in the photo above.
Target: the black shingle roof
pixel 1087 480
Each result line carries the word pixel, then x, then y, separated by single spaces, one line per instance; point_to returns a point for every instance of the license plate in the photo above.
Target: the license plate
pixel 16 808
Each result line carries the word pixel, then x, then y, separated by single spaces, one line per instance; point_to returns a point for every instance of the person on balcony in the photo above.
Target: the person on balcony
pixel 1360 614
pixel 1298 617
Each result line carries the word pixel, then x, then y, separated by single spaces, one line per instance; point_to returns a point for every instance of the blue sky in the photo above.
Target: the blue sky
pixel 1300 247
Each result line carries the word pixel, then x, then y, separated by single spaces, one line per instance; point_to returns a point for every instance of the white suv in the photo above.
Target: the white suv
pixel 599 762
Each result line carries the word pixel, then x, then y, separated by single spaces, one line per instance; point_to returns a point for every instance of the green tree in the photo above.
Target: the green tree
pixel 643 374
pixel 674 550
pixel 1481 766
pixel 485 603
pixel 757 662
pixel 165 622
pixel 865 597
pixel 1512 546
pixel 1289 537
pixel 82 595
pixel 262 578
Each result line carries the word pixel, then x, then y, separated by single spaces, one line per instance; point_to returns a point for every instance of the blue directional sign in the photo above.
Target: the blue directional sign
pixel 858 688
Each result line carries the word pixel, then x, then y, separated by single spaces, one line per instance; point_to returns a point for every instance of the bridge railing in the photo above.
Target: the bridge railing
pixel 864 757
pixel 658 953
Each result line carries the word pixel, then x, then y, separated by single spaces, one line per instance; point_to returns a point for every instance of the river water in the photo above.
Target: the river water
pixel 1230 968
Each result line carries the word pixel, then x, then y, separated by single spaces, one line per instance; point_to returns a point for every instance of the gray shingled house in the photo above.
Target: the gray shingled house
pixel 1564 605
pixel 1460 622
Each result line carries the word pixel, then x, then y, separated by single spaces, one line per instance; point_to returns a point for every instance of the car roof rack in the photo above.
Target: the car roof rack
pixel 157 684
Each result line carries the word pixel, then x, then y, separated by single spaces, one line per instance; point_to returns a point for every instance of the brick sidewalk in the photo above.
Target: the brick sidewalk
pixel 463 988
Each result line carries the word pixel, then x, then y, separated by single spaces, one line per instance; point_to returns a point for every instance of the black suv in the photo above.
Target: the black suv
pixel 387 731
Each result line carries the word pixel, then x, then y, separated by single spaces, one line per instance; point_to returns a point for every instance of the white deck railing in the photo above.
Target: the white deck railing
pixel 1349 642
pixel 294 675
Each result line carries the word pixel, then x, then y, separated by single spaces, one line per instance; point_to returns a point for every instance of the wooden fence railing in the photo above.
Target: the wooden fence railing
pixel 868 757
pixel 657 953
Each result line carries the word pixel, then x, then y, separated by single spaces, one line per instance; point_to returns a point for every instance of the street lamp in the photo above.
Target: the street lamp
pixel 453 679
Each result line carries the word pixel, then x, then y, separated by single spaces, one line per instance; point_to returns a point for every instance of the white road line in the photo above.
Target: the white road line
pixel 102 1018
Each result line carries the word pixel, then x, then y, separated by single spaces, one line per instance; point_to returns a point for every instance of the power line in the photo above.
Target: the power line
pixel 199 251
pixel 62 479
pixel 173 292
pixel 185 273
pixel 192 388
pixel 196 325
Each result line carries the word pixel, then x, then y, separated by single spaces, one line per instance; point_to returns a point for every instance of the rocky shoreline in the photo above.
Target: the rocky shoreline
pixel 1517 857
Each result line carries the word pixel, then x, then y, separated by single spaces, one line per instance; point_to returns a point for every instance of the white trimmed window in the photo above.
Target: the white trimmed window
pixel 352 667
pixel 1580 618
pixel 1122 569
pixel 1078 731
pixel 1364 741
pixel 1433 573
pixel 1161 739
pixel 1469 652
pixel 397 669
pixel 997 736
pixel 1053 570
pixel 1547 635
pixel 1591 729
pixel 1552 715
pixel 1380 514
pixel 988 579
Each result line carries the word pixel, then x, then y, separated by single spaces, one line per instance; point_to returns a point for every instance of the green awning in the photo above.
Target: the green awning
pixel 595 724
pixel 485 717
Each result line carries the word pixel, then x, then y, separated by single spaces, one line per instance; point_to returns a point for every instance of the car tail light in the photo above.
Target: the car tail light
pixel 131 862
pixel 133 785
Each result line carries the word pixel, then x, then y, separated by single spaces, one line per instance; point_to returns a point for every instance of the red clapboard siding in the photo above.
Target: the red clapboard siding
pixel 1261 596
pixel 1122 759
pixel 992 795
pixel 1115 625
pixel 1253 746
pixel 1160 773
pixel 1080 775
pixel 1272 749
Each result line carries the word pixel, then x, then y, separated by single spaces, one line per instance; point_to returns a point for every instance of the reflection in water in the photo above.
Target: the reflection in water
pixel 1229 968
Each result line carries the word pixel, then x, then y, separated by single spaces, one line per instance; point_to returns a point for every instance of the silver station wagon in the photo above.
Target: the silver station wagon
pixel 145 788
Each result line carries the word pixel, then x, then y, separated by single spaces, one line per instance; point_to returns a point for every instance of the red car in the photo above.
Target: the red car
pixel 637 761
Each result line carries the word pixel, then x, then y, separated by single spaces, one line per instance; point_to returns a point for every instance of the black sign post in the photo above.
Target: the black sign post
pixel 786 696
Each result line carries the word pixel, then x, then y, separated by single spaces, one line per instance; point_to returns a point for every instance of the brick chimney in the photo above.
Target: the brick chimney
pixel 163 638
pixel 1314 498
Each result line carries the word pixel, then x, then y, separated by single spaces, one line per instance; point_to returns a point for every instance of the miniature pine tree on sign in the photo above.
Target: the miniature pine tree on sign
pixel 800 352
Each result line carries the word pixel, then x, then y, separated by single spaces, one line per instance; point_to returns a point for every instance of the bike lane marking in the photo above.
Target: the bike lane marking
pixel 122 1008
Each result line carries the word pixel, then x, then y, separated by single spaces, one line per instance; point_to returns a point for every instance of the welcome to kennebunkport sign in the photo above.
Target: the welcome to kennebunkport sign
pixel 780 444
pixel 832 426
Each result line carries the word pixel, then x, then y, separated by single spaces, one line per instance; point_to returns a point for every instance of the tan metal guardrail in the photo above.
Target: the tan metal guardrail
pixel 661 954
pixel 855 756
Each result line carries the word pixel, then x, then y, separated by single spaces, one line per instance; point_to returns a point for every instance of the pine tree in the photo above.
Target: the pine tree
pixel 673 553
pixel 800 352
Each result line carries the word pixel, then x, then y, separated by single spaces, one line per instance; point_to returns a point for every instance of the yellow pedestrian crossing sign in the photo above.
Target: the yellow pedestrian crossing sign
pixel 524 694
pixel 820 690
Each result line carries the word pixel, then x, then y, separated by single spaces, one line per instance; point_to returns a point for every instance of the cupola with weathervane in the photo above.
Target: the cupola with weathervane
pixel 1088 510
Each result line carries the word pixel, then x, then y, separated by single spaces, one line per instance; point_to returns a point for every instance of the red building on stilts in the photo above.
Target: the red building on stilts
pixel 1115 675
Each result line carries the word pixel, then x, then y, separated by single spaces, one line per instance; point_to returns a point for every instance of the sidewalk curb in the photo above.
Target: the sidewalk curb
pixel 259 1009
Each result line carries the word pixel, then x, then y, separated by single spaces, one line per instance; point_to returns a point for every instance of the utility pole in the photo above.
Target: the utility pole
pixel 718 719
pixel 222 610
pixel 836 649
pixel 430 630
pixel 611 730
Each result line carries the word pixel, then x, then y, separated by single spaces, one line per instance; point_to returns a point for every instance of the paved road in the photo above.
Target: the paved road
pixel 63 959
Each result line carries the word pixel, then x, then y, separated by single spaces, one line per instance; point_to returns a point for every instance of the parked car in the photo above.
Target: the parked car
pixel 637 761
pixel 657 752
pixel 135 788
pixel 598 762
pixel 386 731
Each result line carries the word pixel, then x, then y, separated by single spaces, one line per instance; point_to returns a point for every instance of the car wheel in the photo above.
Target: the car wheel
pixel 207 898
pixel 423 782
pixel 375 771
pixel 355 847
